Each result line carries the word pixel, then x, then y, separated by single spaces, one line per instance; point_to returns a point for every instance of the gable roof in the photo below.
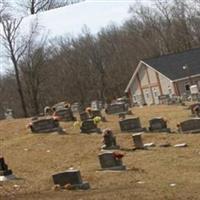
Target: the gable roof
pixel 172 65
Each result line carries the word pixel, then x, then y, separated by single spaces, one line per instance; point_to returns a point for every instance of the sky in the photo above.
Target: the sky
pixel 95 14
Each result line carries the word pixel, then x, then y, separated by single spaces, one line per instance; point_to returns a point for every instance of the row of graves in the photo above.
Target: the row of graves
pixel 110 158
pixel 90 118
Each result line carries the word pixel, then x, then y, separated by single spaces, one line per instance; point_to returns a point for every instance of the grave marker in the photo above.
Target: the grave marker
pixel 131 125
pixel 137 140
pixel 5 173
pixel 109 140
pixel 44 125
pixel 189 126
pixel 64 114
pixel 158 124
pixel 88 126
pixel 71 177
pixel 116 108
pixel 111 161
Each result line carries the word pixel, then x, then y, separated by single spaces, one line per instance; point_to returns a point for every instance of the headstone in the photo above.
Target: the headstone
pixel 64 114
pixel 189 126
pixel 137 140
pixel 8 114
pixel 84 116
pixel 111 161
pixel 109 140
pixel 88 126
pixel 5 173
pixel 131 125
pixel 97 113
pixel 195 109
pixel 164 99
pixel 44 125
pixel 96 105
pixel 158 124
pixel 72 177
pixel 116 108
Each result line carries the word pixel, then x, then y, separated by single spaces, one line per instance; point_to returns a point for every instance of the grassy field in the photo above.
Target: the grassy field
pixel 153 174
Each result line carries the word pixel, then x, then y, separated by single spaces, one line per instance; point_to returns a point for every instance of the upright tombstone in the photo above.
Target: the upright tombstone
pixel 116 108
pixel 111 161
pixel 44 125
pixel 137 140
pixel 195 109
pixel 84 116
pixel 70 177
pixel 96 105
pixel 88 126
pixel 158 124
pixel 97 113
pixel 109 140
pixel 8 114
pixel 189 126
pixel 5 173
pixel 131 125
pixel 64 114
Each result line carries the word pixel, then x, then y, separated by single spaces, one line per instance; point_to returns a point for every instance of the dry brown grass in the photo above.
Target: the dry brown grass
pixel 34 158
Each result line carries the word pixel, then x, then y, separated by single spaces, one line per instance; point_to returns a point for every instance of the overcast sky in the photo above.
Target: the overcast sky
pixel 95 14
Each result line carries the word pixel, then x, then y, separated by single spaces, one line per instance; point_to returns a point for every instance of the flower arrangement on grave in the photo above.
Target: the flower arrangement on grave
pixel 118 155
pixel 97 119
pixel 77 124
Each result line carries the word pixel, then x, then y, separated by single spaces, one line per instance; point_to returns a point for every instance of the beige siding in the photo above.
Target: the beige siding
pixel 181 84
pixel 150 86
pixel 167 85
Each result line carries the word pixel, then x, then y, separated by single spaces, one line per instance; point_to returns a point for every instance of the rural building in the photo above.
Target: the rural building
pixel 170 75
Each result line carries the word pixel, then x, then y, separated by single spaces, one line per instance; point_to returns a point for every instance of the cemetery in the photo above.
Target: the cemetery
pixel 111 165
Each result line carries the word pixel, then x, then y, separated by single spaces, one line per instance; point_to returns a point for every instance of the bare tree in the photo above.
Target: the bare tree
pixel 15 50
pixel 35 6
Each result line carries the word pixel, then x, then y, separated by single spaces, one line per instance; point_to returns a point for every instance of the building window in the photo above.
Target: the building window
pixel 147 95
pixel 187 87
pixel 169 90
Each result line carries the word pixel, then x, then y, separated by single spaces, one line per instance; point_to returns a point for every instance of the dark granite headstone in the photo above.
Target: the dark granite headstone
pixel 109 140
pixel 5 173
pixel 195 109
pixel 88 126
pixel 44 125
pixel 158 124
pixel 72 177
pixel 190 126
pixel 111 161
pixel 131 125
pixel 84 116
pixel 137 140
pixel 116 108
pixel 64 114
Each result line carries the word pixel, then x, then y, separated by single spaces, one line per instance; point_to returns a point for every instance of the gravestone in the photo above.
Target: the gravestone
pixel 5 173
pixel 97 113
pixel 131 125
pixel 116 108
pixel 88 126
pixel 64 114
pixel 189 126
pixel 195 109
pixel 109 140
pixel 71 177
pixel 96 105
pixel 8 114
pixel 137 140
pixel 164 99
pixel 84 116
pixel 44 125
pixel 158 124
pixel 111 161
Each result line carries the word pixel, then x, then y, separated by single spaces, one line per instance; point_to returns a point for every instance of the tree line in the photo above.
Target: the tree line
pixel 96 67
